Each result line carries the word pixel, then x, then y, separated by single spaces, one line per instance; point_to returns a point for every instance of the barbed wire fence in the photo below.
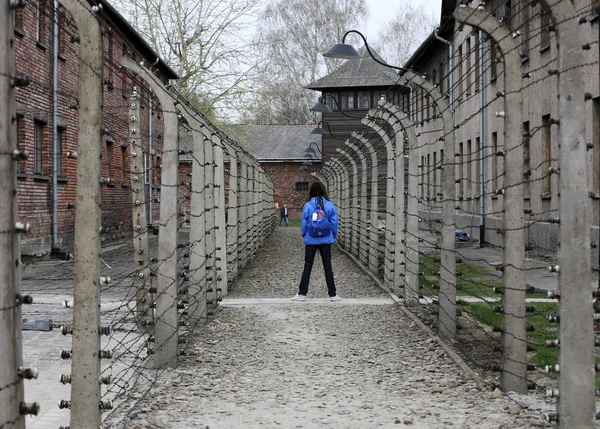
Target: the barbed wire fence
pixel 130 326
pixel 442 174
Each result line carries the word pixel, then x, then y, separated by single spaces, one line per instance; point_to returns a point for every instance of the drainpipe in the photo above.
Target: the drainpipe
pixel 150 113
pixel 481 145
pixel 450 66
pixel 55 245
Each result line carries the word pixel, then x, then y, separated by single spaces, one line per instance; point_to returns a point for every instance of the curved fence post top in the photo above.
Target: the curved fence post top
pixel 157 86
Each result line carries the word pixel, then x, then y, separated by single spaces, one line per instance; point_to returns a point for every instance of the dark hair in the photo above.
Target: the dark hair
pixel 317 189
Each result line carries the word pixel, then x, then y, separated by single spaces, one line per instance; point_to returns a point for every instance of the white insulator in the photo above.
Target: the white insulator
pixel 500 114
pixel 67 304
pixel 104 280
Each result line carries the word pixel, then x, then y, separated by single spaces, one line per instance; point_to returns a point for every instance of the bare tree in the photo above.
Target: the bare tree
pixel 400 37
pixel 292 36
pixel 207 42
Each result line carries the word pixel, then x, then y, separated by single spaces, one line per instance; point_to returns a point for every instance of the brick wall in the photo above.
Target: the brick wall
pixel 285 175
pixel 34 106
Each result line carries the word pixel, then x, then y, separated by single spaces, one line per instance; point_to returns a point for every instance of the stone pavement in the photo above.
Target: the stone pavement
pixel 268 362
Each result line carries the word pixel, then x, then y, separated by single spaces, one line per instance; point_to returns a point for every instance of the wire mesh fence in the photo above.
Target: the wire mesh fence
pixel 475 166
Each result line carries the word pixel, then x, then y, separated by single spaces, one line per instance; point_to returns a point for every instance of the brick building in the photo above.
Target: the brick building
pixel 472 90
pixel 281 151
pixel 47 120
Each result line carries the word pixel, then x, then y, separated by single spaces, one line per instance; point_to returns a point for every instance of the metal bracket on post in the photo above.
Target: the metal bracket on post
pixel 363 241
pixel 389 262
pixel 85 395
pixel 166 323
pixel 141 282
pixel 354 202
pixel 197 311
pixel 411 248
pixel 374 208
pixel 447 294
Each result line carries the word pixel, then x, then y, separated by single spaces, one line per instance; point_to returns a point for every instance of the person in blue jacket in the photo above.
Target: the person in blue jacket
pixel 319 228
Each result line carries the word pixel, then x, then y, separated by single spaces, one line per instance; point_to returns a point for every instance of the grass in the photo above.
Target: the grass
pixel 544 330
pixel 292 222
pixel 471 280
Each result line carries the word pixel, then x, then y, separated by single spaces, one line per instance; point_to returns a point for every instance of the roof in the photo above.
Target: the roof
pixel 278 143
pixel 363 72
pixel 137 40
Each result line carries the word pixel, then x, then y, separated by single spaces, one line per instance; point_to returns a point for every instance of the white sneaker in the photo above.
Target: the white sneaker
pixel 335 298
pixel 299 297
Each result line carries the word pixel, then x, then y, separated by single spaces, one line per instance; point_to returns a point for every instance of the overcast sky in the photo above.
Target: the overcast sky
pixel 380 12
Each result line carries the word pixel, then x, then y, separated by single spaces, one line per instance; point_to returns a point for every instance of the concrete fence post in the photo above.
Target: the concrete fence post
pixel 576 403
pixel 389 262
pixel 353 202
pixel 209 208
pixel 411 247
pixel 141 282
pixel 399 201
pixel 344 212
pixel 167 316
pixel 197 290
pixel 85 365
pixel 363 235
pixel 243 212
pixel 514 335
pixel 232 216
pixel 374 207
pixel 11 392
pixel 220 224
pixel 447 294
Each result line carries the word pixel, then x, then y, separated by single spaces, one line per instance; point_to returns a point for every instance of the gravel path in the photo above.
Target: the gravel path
pixel 317 364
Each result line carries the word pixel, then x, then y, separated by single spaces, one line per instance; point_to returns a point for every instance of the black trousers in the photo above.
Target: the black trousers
pixel 309 258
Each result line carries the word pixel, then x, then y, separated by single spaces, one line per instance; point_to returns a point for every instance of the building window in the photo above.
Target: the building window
pixel 526 160
pixel 469 177
pixel 428 177
pixel 460 71
pixel 123 163
pixel 546 155
pixel 508 14
pixel 468 71
pixel 493 63
pixel 442 77
pixel 109 54
pixel 364 100
pixel 41 20
pixel 20 141
pixel 494 162
pixel 346 100
pixel 38 144
pixel 301 186
pixel 60 144
pixel 461 169
pixel 109 158
pixel 477 61
pixel 544 29
pixel 435 172
pixel 124 72
pixel 524 30
pixel 596 149
pixel 422 166
pixel 61 31
pixel 18 17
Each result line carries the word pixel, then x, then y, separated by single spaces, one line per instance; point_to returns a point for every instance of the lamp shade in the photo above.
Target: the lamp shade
pixel 343 51
pixel 303 168
pixel 318 130
pixel 320 107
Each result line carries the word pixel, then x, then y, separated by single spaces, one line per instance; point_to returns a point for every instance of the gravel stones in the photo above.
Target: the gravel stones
pixel 303 365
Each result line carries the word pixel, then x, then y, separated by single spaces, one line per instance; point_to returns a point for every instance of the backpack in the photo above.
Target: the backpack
pixel 319 225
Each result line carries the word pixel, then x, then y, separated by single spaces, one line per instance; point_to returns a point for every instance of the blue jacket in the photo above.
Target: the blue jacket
pixel 307 211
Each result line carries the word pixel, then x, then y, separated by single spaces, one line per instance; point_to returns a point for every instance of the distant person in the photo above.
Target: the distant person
pixel 283 215
pixel 319 229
